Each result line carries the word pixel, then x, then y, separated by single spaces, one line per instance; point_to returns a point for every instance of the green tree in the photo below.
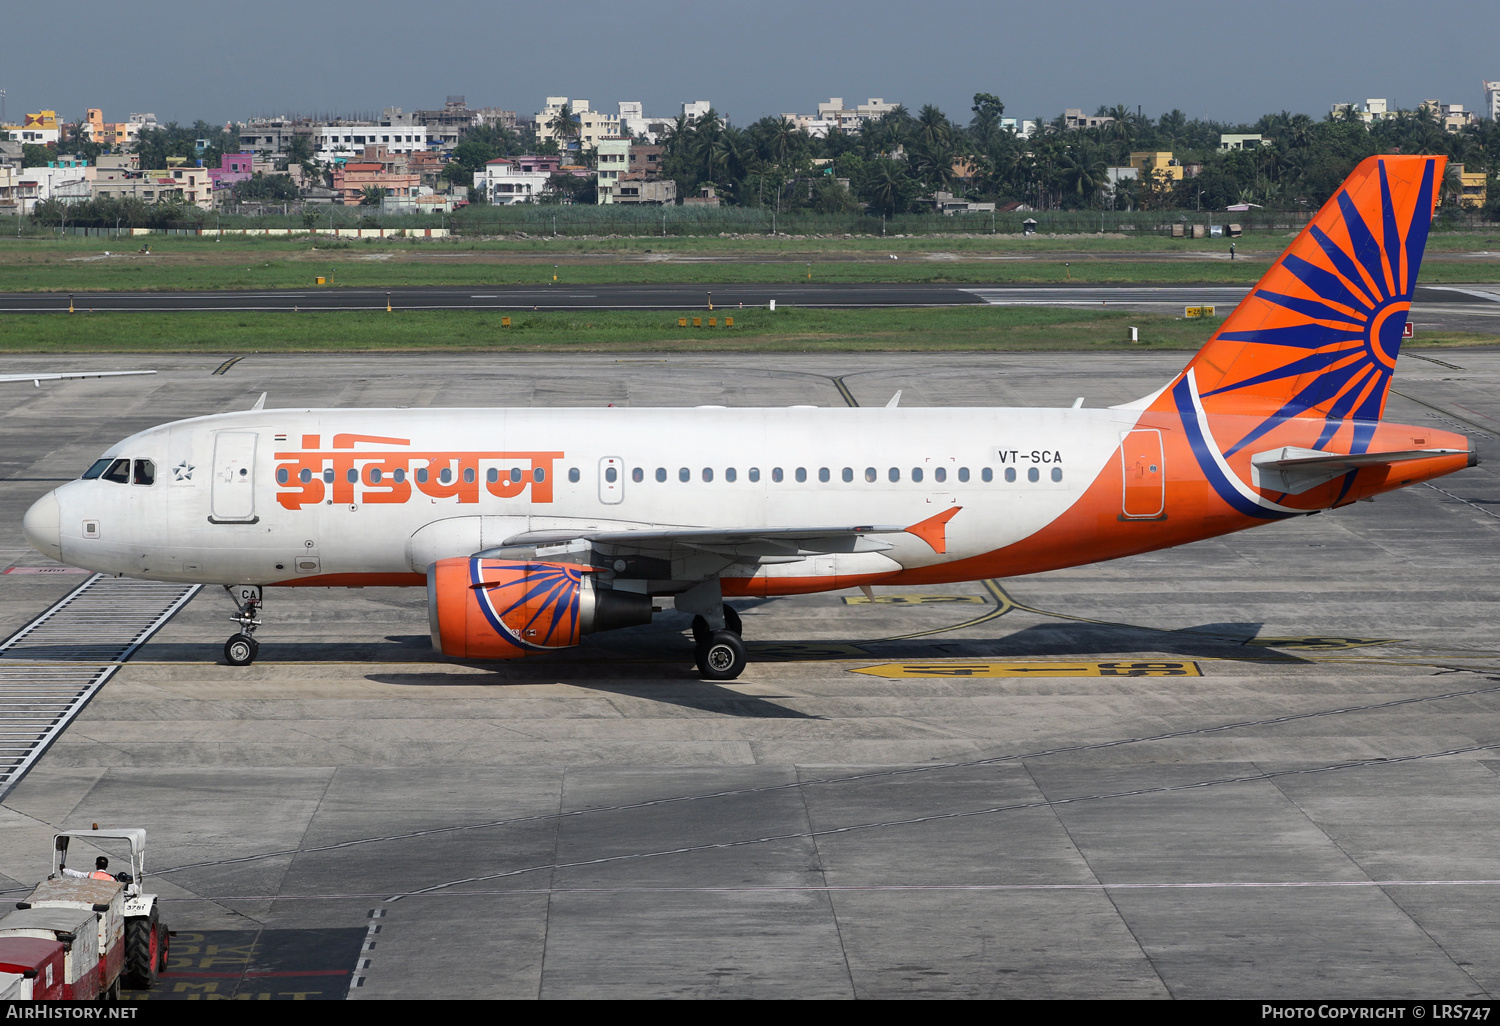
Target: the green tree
pixel 371 196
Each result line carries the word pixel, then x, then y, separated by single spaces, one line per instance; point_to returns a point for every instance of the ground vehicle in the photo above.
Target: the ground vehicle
pixel 145 936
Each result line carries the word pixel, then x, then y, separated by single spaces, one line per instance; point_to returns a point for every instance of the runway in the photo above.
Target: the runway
pixel 1260 766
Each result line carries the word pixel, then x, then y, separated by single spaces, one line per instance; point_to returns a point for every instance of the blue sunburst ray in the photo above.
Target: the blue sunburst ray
pixel 1325 283
pixel 1315 392
pixel 1340 409
pixel 1366 249
pixel 1342 262
pixel 1416 237
pixel 1293 336
pixel 1392 234
pixel 1314 362
pixel 1314 309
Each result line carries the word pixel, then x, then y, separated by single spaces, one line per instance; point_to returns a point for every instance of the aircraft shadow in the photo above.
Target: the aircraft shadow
pixel 1208 641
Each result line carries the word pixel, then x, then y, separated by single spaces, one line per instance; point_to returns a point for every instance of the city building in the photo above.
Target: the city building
pixel 1232 141
pixel 1021 129
pixel 351 179
pixel 1492 100
pixel 178 183
pixel 638 187
pixel 949 204
pixel 342 141
pixel 592 125
pixel 1473 188
pixel 506 181
pixel 1163 165
pixel 1373 110
pixel 233 168
pixel 635 123
pixel 1074 118
pixel 272 135
pixel 1451 116
pixel 613 158
pixel 115 134
pixel 39 129
pixel 695 109
pixel 646 159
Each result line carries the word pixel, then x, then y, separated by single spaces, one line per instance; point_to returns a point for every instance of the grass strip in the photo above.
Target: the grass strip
pixel 946 329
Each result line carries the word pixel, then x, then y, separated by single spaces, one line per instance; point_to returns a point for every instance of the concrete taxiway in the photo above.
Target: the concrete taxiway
pixel 921 796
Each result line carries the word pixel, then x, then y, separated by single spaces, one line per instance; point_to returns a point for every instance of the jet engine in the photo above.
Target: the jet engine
pixel 484 608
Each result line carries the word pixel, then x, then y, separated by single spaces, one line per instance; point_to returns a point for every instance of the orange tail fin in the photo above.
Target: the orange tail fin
pixel 1319 335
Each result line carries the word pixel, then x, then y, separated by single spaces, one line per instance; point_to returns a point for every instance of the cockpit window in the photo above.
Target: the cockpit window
pixel 97 469
pixel 145 472
pixel 119 472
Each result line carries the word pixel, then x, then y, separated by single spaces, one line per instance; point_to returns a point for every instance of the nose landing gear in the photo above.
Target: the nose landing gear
pixel 242 648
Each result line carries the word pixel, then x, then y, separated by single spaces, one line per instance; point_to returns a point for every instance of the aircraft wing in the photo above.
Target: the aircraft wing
pixel 748 542
pixel 1294 470
pixel 37 379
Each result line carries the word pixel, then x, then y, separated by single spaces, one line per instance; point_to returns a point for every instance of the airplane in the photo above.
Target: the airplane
pixel 533 527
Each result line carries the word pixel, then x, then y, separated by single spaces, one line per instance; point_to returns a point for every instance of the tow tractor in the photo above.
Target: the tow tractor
pixel 146 936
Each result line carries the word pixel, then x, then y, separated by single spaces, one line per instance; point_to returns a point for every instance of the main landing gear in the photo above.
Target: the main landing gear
pixel 242 648
pixel 720 655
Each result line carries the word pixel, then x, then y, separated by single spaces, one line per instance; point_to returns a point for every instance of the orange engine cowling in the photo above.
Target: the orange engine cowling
pixel 482 608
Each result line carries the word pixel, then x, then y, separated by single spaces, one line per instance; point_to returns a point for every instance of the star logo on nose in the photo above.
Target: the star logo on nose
pixel 183 471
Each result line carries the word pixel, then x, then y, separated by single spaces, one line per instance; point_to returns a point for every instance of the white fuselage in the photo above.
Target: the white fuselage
pixel 265 497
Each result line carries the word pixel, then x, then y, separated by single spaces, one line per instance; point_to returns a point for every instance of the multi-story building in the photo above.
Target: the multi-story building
pixel 1373 110
pixel 646 159
pixel 1238 141
pixel 1473 188
pixel 695 109
pixel 510 180
pixel 1163 165
pixel 273 135
pixel 39 129
pixel 635 123
pixel 233 168
pixel 343 141
pixel 613 158
pixel 178 182
pixel 592 125
pixel 1074 118
pixel 1492 100
pixel 115 134
pixel 351 179
pixel 1451 116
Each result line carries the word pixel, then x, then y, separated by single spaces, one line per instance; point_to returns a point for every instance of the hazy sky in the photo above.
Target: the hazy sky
pixel 189 59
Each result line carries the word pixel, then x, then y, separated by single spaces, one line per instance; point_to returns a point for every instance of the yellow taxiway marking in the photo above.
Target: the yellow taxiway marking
pixel 912 600
pixel 1067 668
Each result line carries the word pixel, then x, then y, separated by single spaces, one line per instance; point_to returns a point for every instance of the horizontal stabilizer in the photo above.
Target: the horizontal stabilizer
pixel 1293 470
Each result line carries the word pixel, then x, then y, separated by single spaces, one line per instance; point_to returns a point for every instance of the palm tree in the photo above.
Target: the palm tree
pixel 371 196
pixel 565 125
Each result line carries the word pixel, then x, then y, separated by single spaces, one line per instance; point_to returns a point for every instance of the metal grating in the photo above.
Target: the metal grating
pixel 52 667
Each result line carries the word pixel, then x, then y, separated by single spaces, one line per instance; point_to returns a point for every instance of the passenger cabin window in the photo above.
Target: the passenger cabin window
pixel 661 473
pixel 754 474
pixel 118 472
pixel 939 473
pixel 847 474
pixel 916 473
pixel 895 474
pixel 637 475
pixel 572 475
pixel 776 474
pixel 1057 473
pixel 684 474
pixel 987 474
pixel 1033 474
pixel 801 474
pixel 871 474
pixel 823 474
pixel 1010 473
pixel 729 474
pixel 963 474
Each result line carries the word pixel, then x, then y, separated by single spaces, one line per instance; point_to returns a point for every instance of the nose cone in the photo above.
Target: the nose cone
pixel 42 526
